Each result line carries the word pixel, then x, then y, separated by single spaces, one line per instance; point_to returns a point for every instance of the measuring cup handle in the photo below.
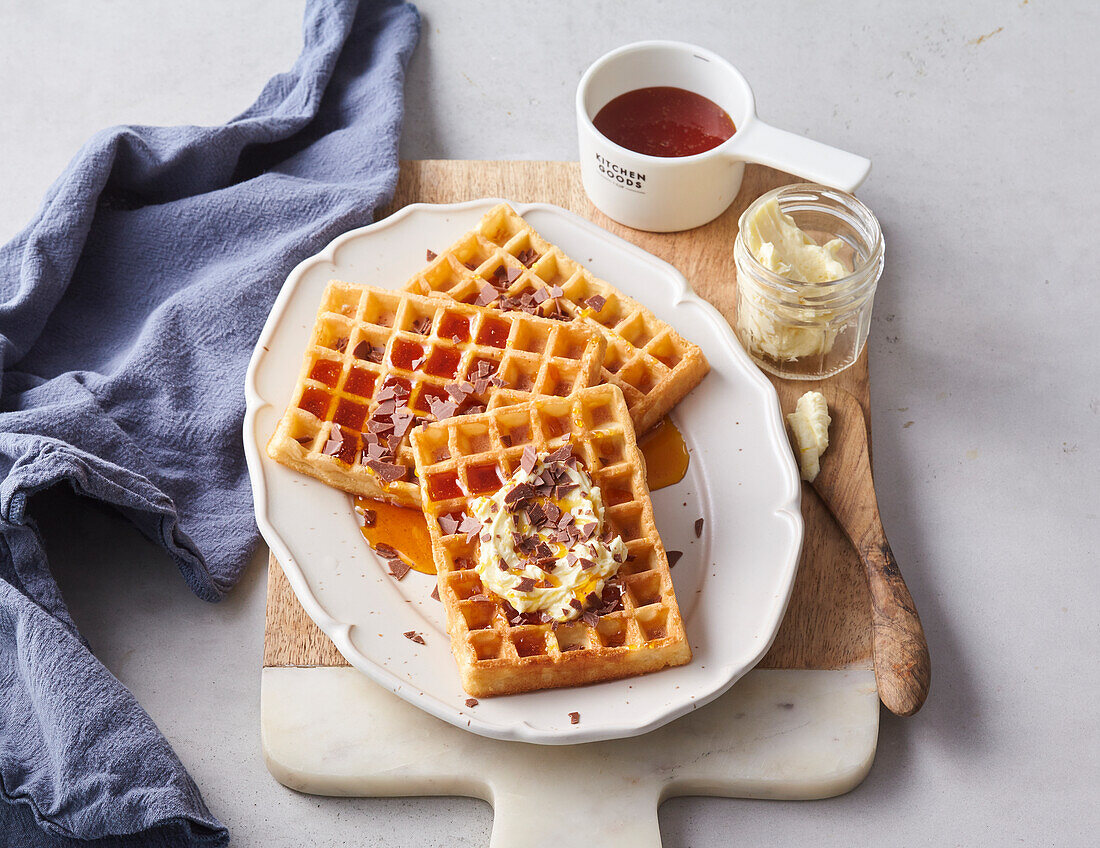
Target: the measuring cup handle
pixel 767 145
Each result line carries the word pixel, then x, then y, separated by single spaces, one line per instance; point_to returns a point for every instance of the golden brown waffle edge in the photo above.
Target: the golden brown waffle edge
pixel 461 458
pixel 646 358
pixel 366 339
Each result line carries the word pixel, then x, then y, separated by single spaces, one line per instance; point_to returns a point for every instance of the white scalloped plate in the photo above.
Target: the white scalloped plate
pixel 733 583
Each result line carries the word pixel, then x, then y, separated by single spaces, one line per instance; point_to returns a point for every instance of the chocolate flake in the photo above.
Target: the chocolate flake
pixel 470 526
pixel 596 302
pixel 388 471
pixel 413 636
pixel 340 344
pixel 448 524
pixel 435 593
pixel 367 517
pixel 526 584
pixel 368 352
pixel 471 702
pixel 561 454
pixel 698 527
pixel 674 557
pixel 590 618
pixel 399 568
pixel 334 443
pixel 430 255
pixel 422 326
pixel 528 257
pixel 574 718
pixel 486 295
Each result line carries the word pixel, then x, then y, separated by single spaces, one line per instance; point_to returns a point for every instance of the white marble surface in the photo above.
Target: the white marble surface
pixel 981 120
pixel 781 733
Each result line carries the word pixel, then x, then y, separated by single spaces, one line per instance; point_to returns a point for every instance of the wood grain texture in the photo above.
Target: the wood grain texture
pixel 902 666
pixel 828 622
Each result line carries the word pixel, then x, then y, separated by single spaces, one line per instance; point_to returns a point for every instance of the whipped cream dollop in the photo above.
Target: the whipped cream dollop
pixel 544 544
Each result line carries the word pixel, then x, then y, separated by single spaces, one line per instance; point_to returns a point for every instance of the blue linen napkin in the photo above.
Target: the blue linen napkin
pixel 128 311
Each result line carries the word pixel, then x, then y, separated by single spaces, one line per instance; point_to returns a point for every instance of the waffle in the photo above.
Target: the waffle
pixel 505 263
pixel 369 343
pixel 461 458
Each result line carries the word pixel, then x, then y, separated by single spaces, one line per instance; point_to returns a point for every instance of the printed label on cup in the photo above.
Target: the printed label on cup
pixel 621 175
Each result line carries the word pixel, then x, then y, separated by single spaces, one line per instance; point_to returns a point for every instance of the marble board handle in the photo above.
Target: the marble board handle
pixel 902 666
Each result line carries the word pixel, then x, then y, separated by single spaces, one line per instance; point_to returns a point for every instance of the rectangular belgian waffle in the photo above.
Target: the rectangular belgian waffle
pixel 374 351
pixel 506 264
pixel 461 458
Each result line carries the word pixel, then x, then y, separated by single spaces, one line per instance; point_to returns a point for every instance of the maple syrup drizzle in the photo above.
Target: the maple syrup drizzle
pixel 666 455
pixel 403 529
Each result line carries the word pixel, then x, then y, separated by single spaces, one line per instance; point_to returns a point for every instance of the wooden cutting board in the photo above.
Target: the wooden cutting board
pixel 814 690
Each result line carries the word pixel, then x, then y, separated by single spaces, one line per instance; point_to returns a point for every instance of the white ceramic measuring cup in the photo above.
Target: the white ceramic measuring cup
pixel 666 194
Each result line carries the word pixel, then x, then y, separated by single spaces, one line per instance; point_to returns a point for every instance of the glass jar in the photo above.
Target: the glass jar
pixel 805 331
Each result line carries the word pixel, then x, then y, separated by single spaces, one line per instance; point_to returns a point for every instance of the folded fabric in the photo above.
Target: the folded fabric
pixel 128 311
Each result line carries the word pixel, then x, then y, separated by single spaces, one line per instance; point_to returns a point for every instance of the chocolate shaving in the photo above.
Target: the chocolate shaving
pixel 590 618
pixel 555 291
pixel 366 517
pixel 529 459
pixel 561 454
pixel 421 326
pixel 430 254
pixel 674 557
pixel 575 604
pixel 448 524
pixel 698 527
pixel 388 551
pixel 574 718
pixel 413 636
pixel 388 471
pixel 512 275
pixel 399 568
pixel 486 295
pixel 334 443
pixel 596 302
pixel 586 563
pixel 441 409
pixel 435 593
pixel 471 702
pixel 470 526
pixel 526 584
pixel 540 296
pixel 340 344
pixel 528 257
pixel 502 565
pixel 368 352
pixel 457 392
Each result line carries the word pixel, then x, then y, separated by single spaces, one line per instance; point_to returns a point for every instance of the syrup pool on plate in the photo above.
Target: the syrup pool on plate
pixel 666 455
pixel 664 121
pixel 403 529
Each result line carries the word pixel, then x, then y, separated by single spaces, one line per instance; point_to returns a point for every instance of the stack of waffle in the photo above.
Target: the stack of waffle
pixel 428 398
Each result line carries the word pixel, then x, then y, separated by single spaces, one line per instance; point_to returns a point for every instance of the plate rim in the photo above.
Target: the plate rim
pixel 788 510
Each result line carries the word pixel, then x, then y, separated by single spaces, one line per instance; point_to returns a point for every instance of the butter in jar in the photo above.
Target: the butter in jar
pixel 808 261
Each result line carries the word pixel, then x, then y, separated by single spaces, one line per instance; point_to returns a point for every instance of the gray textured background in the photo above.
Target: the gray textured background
pixel 982 124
